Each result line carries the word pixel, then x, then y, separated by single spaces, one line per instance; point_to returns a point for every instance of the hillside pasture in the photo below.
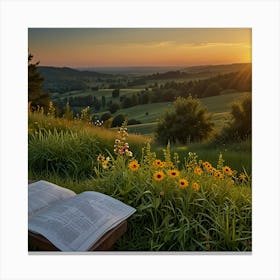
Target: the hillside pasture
pixel 219 106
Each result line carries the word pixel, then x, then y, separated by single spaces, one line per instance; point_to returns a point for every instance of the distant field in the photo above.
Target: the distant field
pixel 150 113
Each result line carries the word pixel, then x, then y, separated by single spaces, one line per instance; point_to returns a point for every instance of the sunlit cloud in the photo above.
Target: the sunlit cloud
pixel 212 45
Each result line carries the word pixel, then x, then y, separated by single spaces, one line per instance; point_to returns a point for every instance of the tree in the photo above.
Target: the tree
pixel 240 125
pixel 36 97
pixel 212 90
pixel 186 122
pixel 118 120
pixel 103 101
pixel 116 93
pixel 106 116
pixel 114 107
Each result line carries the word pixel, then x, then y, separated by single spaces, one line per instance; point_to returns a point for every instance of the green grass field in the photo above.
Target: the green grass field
pixel 149 114
pixel 189 212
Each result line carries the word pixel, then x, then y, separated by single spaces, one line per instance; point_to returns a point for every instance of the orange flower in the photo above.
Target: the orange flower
pixel 218 174
pixel 195 186
pixel 207 165
pixel 158 176
pixel 157 163
pixel 133 165
pixel 173 173
pixel 183 183
pixel 198 170
pixel 227 170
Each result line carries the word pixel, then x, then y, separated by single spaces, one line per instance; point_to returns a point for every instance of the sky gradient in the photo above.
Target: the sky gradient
pixel 109 47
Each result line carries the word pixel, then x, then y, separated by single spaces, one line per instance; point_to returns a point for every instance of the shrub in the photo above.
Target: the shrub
pixel 114 107
pixel 239 127
pixel 118 120
pixel 187 122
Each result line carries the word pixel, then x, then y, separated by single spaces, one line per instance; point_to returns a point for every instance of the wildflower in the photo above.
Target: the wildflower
pixel 169 164
pixel 242 176
pixel 161 193
pixel 198 170
pixel 218 174
pixel 207 165
pixel 105 164
pixel 227 170
pixel 125 146
pixel 158 176
pixel 195 186
pixel 162 164
pixel 128 153
pixel 173 173
pixel 157 163
pixel 100 158
pixel 183 183
pixel 212 170
pixel 133 165
pixel 117 141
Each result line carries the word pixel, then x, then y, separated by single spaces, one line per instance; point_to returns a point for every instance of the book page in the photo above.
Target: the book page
pixel 42 194
pixel 77 223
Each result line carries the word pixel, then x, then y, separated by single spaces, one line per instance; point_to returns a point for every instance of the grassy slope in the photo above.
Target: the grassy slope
pixel 218 105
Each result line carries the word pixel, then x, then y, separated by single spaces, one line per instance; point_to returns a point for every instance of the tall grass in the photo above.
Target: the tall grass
pixel 194 210
pixel 69 148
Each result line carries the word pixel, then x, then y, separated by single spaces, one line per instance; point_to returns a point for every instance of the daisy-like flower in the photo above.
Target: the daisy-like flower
pixel 157 163
pixel 207 165
pixel 198 170
pixel 195 186
pixel 158 176
pixel 183 183
pixel 173 173
pixel 218 174
pixel 242 176
pixel 100 158
pixel 105 164
pixel 212 170
pixel 133 165
pixel 227 170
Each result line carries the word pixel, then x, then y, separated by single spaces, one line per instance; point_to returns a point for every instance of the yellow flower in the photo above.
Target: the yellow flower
pixel 133 165
pixel 195 186
pixel 198 170
pixel 173 173
pixel 227 170
pixel 212 170
pixel 157 163
pixel 218 174
pixel 207 165
pixel 162 164
pixel 158 176
pixel 105 164
pixel 242 176
pixel 161 193
pixel 183 183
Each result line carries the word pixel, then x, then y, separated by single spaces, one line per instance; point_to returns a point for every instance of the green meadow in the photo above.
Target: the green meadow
pixel 191 197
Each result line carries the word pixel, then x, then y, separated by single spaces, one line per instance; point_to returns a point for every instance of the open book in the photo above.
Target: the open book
pixel 72 222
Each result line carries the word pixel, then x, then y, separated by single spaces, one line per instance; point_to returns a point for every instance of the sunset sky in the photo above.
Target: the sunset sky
pixel 101 47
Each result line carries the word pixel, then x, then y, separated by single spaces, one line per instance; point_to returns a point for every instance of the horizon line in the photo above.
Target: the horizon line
pixel 145 66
